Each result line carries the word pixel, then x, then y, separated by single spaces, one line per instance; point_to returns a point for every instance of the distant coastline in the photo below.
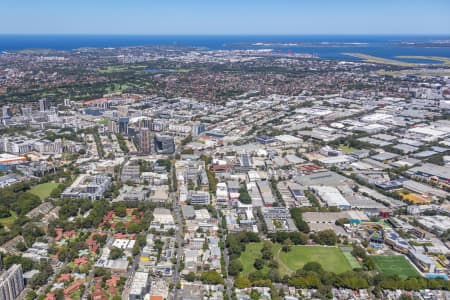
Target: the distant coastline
pixel 323 46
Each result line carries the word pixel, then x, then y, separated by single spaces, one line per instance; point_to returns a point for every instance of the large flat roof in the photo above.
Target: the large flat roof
pixel 328 178
pixel 331 196
pixel 433 170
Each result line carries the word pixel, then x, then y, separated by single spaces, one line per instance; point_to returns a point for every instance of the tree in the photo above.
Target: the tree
pixel 234 267
pixel 298 220
pixel 115 253
pixel 122 143
pixel 369 263
pixel 120 209
pixel 242 282
pixel 4 211
pixel 274 275
pixel 120 227
pixel 324 292
pixel 298 238
pixel 136 249
pixel 254 295
pixel 39 279
pixel 31 295
pixel 266 251
pixel 411 284
pixel 236 242
pixel 342 221
pixel 25 202
pixel 244 196
pixel 211 277
pixel 133 228
pixel 287 245
pixel 101 239
pixel 21 246
pixel 98 272
pixel 259 263
pixel 325 237
pixel 359 251
pixel 313 267
pixel 27 264
pixel 191 277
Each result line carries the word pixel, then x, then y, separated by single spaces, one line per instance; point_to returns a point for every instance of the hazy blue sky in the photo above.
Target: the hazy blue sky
pixel 226 16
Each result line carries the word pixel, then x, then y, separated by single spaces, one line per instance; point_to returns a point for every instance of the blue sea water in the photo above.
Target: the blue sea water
pixel 376 45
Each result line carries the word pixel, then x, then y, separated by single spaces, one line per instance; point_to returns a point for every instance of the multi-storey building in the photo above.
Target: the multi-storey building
pixel 145 140
pixel 11 283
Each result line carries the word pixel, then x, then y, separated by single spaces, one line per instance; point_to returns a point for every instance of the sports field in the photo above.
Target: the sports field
pixel 331 258
pixel 395 265
pixel 354 263
pixel 43 190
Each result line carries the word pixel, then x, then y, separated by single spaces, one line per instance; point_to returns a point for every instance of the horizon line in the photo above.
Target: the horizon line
pixel 237 34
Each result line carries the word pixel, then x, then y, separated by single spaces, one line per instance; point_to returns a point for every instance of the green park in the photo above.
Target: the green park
pixel 331 258
pixel 43 190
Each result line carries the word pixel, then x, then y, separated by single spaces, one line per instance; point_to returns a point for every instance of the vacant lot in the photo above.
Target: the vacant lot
pixel 395 265
pixel 347 149
pixel 43 190
pixel 415 198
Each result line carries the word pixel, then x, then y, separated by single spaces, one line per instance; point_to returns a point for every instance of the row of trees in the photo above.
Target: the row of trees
pixel 301 225
pixel 207 277
pixel 213 181
pixel 98 142
pixel 312 199
pixel 324 237
pixel 122 143
pixel 313 276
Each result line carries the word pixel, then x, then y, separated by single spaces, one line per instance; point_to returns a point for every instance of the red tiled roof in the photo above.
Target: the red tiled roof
pixel 64 277
pixel 59 232
pixel 73 287
pixel 80 261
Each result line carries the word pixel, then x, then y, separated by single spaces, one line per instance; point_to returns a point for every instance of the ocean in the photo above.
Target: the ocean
pixel 323 46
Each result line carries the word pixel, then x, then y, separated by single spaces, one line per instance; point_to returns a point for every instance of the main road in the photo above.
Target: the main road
pixel 179 240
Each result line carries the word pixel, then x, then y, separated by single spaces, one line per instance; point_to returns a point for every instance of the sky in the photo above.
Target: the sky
pixel 192 17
